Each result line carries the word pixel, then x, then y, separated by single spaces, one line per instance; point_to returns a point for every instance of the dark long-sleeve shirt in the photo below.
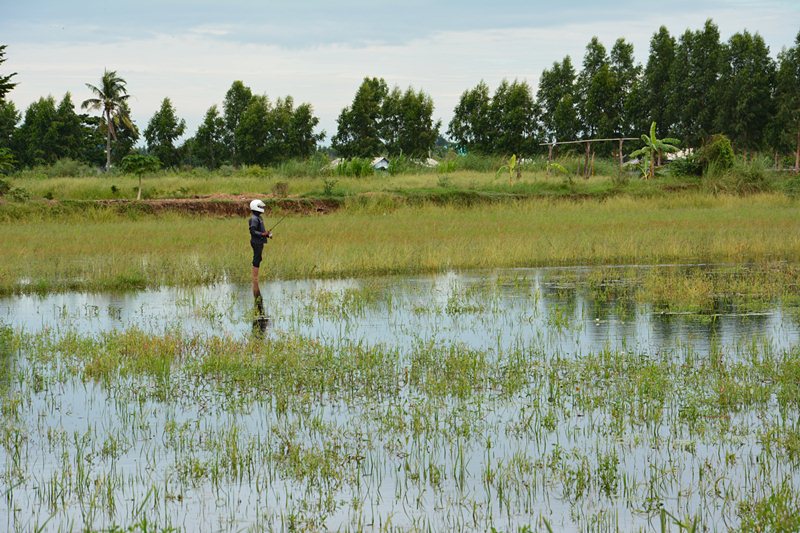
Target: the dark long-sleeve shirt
pixel 257 230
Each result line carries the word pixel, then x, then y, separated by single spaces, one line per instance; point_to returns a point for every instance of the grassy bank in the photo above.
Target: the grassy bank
pixel 100 249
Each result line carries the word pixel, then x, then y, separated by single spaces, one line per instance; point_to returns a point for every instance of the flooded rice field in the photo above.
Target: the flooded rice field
pixel 658 398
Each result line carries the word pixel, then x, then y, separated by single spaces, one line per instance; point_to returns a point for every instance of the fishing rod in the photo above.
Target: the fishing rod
pixel 276 224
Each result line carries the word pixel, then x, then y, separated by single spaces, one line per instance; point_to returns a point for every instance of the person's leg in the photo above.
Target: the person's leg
pixel 256 289
pixel 257 250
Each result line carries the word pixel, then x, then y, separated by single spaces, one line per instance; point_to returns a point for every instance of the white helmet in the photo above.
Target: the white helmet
pixel 257 206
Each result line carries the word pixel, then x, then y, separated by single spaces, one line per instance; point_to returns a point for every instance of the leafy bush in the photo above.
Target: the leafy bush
pixel 255 171
pixel 446 166
pixel 7 161
pixel 18 194
pixel 356 167
pixel 717 153
pixel 280 189
pixel 686 166
pixel 298 168
pixel 67 167
pixel 402 165
pixel 744 178
pixel 4 187
pixel 328 185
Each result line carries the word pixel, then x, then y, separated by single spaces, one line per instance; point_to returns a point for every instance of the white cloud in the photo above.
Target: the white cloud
pixel 196 68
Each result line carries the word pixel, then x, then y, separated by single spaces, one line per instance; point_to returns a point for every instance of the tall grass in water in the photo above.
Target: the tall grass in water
pixel 111 251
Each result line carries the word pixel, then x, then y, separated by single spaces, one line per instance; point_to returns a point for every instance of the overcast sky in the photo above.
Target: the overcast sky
pixel 319 52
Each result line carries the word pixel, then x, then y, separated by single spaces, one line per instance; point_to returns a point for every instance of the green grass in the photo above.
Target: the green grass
pixel 99 249
pixel 186 185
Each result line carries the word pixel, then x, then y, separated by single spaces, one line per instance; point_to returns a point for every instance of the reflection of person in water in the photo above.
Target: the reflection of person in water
pixel 260 324
pixel 258 238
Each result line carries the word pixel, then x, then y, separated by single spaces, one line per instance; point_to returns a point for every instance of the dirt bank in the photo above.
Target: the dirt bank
pixel 224 205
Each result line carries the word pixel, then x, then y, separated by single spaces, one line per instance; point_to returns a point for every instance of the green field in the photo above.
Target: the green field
pixel 98 248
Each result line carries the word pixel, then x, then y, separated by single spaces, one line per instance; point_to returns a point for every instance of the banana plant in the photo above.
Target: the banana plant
pixel 513 167
pixel 654 146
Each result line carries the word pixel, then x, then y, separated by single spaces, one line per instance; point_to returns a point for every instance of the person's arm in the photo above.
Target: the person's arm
pixel 257 228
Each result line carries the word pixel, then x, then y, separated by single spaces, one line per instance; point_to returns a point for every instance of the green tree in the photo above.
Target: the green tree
pixel 652 104
pixel 513 118
pixel 110 98
pixel 693 84
pixel 209 146
pixel 555 100
pixel 359 126
pixel 161 133
pixel 36 140
pixel 70 130
pixel 626 74
pixel 471 127
pixel 301 138
pixel 784 130
pixel 140 165
pixel 252 131
pixel 407 123
pixel 745 90
pixel 269 134
pixel 596 92
pixel 9 117
pixel 5 81
pixel 236 101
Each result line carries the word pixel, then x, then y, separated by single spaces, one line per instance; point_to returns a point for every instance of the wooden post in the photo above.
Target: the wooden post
pixel 797 155
pixel 621 159
pixel 549 157
pixel 591 171
pixel 586 160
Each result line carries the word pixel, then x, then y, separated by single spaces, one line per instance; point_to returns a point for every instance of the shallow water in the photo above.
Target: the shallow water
pixel 490 310
pixel 193 456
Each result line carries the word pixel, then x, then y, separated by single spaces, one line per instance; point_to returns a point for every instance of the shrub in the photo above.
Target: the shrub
pixel 356 167
pixel 18 194
pixel 686 166
pixel 280 189
pixel 4 187
pixel 718 153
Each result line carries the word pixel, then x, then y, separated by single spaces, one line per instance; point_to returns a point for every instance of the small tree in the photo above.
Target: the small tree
pixel 110 99
pixel 653 146
pixel 140 164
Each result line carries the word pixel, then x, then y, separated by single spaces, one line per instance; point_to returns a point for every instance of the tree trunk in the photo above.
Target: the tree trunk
pixel 652 166
pixel 591 171
pixel 139 194
pixel 108 147
pixel 777 165
pixel 549 157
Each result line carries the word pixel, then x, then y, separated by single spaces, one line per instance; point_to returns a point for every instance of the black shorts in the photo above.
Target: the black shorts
pixel 258 248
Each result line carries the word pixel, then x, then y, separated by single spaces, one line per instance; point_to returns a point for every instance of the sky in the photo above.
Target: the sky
pixel 319 51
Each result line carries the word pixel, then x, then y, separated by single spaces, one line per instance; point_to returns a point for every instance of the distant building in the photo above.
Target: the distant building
pixel 380 163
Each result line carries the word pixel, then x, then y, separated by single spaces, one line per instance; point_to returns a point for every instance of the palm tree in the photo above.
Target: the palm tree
pixel 110 99
pixel 654 147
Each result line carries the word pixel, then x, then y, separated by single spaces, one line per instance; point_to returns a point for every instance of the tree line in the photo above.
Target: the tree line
pixel 692 86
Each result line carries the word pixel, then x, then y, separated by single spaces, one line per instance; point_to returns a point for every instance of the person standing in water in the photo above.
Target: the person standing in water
pixel 258 238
